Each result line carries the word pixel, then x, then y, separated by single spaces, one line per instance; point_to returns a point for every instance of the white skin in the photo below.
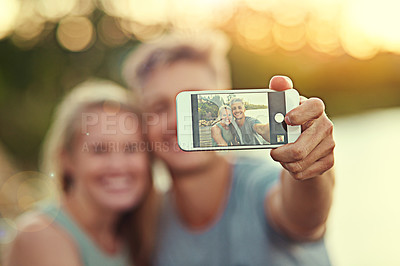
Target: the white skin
pixel 106 182
pixel 160 90
pixel 239 110
pixel 201 180
pixel 226 116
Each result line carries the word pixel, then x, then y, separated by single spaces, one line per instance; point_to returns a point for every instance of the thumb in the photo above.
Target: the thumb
pixel 280 83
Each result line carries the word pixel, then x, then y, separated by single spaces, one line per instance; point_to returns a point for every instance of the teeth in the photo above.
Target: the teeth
pixel 117 183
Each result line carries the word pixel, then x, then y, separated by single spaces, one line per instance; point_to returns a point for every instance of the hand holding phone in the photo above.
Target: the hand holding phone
pixel 235 119
pixel 312 154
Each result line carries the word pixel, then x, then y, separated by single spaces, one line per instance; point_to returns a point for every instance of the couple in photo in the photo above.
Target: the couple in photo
pixel 218 210
pixel 235 128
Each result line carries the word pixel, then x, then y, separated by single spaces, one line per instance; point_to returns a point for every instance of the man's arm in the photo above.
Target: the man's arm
pixel 262 130
pixel 299 205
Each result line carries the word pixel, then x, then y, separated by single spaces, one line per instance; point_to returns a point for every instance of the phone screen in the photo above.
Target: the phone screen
pixel 238 119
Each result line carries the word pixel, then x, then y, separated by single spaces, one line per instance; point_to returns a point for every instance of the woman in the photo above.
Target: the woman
pixel 93 147
pixel 223 133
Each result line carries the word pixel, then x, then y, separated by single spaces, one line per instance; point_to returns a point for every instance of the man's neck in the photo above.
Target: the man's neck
pixel 200 198
pixel 240 121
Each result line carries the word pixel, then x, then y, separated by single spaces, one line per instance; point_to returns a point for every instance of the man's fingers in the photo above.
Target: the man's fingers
pixel 322 150
pixel 303 99
pixel 305 144
pixel 280 83
pixel 309 110
pixel 318 168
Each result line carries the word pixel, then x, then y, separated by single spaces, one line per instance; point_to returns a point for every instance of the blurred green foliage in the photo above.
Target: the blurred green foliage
pixel 33 81
pixel 208 109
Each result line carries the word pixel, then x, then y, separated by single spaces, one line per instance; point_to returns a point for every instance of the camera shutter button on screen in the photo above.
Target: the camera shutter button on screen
pixel 279 117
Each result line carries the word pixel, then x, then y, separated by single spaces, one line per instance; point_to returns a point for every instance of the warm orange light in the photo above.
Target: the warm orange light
pixel 8 13
pixel 197 14
pixel 139 31
pixel 379 21
pixel 110 32
pixel 289 38
pixel 75 33
pixel 322 35
pixel 254 26
pixel 361 28
pixel 54 10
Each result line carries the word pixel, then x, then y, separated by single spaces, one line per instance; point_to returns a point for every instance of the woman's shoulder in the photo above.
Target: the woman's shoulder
pixel 216 127
pixel 40 242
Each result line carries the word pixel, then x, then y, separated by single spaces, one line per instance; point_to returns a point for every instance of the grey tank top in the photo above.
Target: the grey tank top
pixel 226 134
pixel 242 235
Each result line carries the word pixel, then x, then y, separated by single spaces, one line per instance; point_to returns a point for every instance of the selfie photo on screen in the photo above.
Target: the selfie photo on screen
pixel 232 119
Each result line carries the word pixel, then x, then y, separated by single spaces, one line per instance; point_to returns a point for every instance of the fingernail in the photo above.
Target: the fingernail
pixel 287 120
pixel 289 81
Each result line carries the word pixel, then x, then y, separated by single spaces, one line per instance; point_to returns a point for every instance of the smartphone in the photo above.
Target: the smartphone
pixel 235 119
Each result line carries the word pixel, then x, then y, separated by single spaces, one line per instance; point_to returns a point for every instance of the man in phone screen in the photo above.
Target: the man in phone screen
pixel 240 211
pixel 249 126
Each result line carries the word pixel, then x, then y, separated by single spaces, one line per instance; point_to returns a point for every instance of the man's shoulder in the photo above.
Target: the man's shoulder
pixel 252 120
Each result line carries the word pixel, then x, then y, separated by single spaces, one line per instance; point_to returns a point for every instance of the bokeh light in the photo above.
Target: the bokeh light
pixel 140 31
pixel 254 26
pixel 54 10
pixel 110 32
pixel 148 12
pixel 322 36
pixel 290 12
pixel 357 43
pixel 360 28
pixel 379 21
pixel 83 8
pixel 115 8
pixel 26 192
pixel 27 189
pixel 254 31
pixel 261 5
pixel 199 14
pixel 290 38
pixel 9 10
pixel 75 33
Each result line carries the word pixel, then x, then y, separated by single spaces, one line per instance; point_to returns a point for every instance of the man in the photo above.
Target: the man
pixel 248 126
pixel 245 212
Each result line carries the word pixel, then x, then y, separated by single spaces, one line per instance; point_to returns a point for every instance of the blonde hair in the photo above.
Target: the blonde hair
pixel 210 48
pixel 59 137
pixel 222 108
pixel 137 225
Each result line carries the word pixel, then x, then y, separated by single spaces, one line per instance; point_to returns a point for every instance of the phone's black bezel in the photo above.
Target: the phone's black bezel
pixel 275 99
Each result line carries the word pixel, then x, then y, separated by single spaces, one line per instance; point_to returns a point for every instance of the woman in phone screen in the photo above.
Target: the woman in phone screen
pixel 223 133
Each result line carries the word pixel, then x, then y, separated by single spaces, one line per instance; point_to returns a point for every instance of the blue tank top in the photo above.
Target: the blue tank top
pixel 90 253
pixel 242 235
